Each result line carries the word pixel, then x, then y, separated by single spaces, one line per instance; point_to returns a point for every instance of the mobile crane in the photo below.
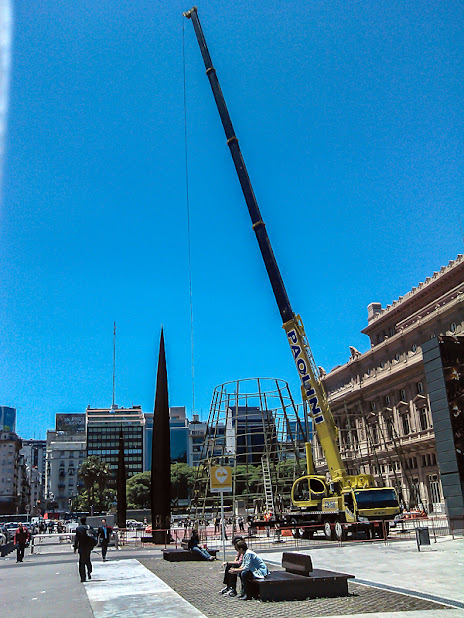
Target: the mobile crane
pixel 344 501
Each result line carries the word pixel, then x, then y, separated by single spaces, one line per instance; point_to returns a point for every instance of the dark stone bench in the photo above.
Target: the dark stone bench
pixel 6 549
pixel 300 581
pixel 185 555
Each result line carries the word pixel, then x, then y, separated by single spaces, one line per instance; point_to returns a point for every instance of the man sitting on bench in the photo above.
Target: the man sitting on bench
pixel 253 567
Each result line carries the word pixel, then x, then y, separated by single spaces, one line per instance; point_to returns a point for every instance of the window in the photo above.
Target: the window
pixel 435 492
pixel 424 419
pixel 397 357
pixel 414 348
pixel 405 422
pixel 420 388
pixel 387 400
pixel 372 404
pixel 403 394
pixel 389 425
pixel 453 327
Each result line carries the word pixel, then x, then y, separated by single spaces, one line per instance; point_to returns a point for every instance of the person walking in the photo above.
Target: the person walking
pixel 21 537
pixel 104 534
pixel 253 567
pixel 84 542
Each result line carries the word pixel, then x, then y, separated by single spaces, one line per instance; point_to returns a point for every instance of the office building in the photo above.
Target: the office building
pixel 34 452
pixel 7 418
pixel 103 429
pixel 11 473
pixel 179 436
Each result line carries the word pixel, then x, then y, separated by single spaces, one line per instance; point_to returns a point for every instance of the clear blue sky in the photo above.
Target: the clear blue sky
pixel 350 118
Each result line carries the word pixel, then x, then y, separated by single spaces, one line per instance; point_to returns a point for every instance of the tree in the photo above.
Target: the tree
pixel 95 474
pixel 138 486
pixel 100 501
pixel 138 491
pixel 182 481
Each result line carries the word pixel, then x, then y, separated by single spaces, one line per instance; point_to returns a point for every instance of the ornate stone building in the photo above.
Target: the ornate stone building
pixel 379 399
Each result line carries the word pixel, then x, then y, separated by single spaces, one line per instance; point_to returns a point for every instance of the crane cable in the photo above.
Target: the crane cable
pixel 188 216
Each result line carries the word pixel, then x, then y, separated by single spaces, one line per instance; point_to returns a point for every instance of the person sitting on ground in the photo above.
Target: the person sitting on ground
pixel 194 545
pixel 253 567
pixel 230 579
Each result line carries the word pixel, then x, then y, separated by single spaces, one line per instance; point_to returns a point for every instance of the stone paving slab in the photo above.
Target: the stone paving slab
pixel 126 588
pixel 200 582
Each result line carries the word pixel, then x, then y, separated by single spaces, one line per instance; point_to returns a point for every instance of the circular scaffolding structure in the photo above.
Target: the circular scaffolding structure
pixel 255 427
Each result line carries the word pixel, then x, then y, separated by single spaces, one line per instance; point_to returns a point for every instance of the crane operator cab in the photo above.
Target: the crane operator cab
pixel 308 491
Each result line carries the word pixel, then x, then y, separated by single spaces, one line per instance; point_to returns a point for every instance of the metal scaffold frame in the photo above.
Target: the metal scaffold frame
pixel 255 427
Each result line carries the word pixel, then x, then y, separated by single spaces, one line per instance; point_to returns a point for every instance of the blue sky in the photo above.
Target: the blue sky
pixel 350 118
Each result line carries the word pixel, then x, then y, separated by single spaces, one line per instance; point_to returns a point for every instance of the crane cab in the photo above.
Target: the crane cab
pixel 309 491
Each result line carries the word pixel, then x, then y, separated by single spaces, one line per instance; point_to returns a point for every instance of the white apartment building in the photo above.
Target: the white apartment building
pixel 65 453
pixel 11 486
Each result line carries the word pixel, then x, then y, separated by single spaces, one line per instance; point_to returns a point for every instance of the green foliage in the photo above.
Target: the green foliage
pixel 100 500
pixel 94 470
pixel 138 491
pixel 138 487
pixel 247 479
pixel 95 474
pixel 182 481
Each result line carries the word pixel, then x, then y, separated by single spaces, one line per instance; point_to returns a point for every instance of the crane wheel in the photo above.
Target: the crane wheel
pixel 340 531
pixel 328 530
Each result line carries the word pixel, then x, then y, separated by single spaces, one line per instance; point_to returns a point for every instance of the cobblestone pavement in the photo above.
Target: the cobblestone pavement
pixel 200 582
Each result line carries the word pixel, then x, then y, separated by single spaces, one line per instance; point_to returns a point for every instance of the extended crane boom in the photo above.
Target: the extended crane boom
pixel 347 503
pixel 312 389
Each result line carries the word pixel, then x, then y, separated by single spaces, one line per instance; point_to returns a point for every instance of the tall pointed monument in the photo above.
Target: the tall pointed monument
pixel 161 455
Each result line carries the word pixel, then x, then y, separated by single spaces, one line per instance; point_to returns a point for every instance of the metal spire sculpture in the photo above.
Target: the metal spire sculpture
pixel 161 455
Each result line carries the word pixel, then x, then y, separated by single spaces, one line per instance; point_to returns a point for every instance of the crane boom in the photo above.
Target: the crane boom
pixel 312 389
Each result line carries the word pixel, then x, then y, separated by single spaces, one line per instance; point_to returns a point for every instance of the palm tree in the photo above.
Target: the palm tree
pixel 94 471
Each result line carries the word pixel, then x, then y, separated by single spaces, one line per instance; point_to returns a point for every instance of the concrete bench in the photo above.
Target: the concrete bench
pixel 300 581
pixel 185 555
pixel 6 549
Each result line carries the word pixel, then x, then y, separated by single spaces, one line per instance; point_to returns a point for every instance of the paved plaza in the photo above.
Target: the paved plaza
pixel 392 579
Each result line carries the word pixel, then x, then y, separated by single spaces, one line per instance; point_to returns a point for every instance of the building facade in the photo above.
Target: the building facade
pixel 103 428
pixel 380 399
pixel 65 452
pixel 11 473
pixel 7 418
pixel 179 432
pixel 34 452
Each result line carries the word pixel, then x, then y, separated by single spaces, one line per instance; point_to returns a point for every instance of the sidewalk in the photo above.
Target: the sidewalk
pixel 47 585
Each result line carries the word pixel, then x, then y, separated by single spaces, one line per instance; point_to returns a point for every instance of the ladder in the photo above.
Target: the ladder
pixel 267 484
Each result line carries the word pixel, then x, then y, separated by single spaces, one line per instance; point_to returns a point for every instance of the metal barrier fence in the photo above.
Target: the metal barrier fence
pixel 45 541
pixel 299 537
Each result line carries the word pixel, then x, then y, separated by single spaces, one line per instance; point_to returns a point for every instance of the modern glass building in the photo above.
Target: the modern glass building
pixel 103 428
pixel 179 434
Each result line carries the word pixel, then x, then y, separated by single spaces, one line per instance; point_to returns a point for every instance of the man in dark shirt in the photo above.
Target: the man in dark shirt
pixel 20 538
pixel 83 543
pixel 104 533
